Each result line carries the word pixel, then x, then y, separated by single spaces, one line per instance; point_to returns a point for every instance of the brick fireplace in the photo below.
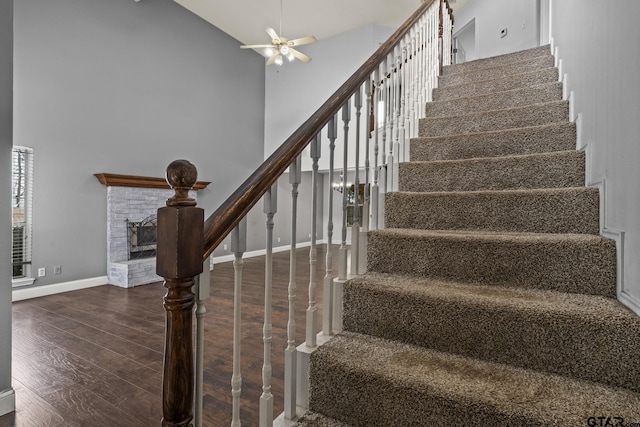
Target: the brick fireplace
pixel 132 199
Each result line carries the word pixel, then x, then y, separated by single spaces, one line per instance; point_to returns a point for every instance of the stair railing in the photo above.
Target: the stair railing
pixel 393 86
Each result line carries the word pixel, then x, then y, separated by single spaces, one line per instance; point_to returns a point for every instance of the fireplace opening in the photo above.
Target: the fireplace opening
pixel 142 237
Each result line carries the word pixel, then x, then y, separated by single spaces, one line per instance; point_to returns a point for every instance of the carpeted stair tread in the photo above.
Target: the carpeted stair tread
pixel 368 381
pixel 576 263
pixel 554 210
pixel 491 85
pixel 484 121
pixel 498 100
pixel 534 329
pixel 499 71
pixel 522 141
pixel 314 419
pixel 540 170
pixel 497 60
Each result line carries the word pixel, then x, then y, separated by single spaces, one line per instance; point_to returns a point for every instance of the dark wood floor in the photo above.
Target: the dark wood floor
pixel 94 357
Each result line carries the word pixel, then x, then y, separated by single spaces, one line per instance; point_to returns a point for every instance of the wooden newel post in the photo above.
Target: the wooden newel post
pixel 179 261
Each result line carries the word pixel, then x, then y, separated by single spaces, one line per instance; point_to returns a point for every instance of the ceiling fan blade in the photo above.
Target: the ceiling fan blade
pixel 255 46
pixel 302 40
pixel 301 56
pixel 272 58
pixel 272 33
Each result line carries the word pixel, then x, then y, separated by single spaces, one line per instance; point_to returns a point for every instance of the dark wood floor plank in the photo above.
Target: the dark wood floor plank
pixel 142 338
pixel 33 411
pixel 95 355
pixel 124 367
pixel 124 347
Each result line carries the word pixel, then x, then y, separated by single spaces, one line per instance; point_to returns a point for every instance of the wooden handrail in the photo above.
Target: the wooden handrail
pixel 221 222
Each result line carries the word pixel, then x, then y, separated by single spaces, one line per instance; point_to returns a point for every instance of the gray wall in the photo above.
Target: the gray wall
pixel 296 90
pixel 596 43
pixel 125 87
pixel 493 15
pixel 6 114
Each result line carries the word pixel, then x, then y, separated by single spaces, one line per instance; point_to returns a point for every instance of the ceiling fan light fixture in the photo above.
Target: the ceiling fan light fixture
pixel 278 60
pixel 268 52
pixel 290 57
pixel 284 50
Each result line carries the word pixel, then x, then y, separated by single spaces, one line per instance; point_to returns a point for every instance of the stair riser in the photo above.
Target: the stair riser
pixel 478 88
pixel 536 115
pixel 538 339
pixel 558 137
pixel 499 101
pixel 565 169
pixel 496 72
pixel 531 263
pixel 554 211
pixel 496 61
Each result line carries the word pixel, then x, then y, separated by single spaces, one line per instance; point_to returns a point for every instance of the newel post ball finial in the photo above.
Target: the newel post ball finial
pixel 181 177
pixel 180 237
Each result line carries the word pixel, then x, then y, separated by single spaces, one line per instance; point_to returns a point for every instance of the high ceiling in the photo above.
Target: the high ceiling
pixel 245 20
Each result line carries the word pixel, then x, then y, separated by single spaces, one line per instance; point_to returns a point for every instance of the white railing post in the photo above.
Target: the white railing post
pixel 394 151
pixel 362 262
pixel 311 340
pixel 203 292
pixel 383 177
pixel 290 353
pixel 238 247
pixel 355 227
pixel 312 318
pixel 342 261
pixel 375 190
pixel 327 312
pixel 343 252
pixel 266 399
pixel 393 136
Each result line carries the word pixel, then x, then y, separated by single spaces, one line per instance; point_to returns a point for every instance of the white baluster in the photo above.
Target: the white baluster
pixel 290 353
pixel 238 247
pixel 375 190
pixel 266 399
pixel 393 135
pixel 327 312
pixel 342 252
pixel 202 288
pixel 355 227
pixel 402 73
pixel 312 318
pixel 412 87
pixel 394 150
pixel 385 137
pixel 362 262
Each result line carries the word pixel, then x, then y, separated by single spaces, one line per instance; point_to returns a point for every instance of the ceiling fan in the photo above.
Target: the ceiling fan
pixel 282 47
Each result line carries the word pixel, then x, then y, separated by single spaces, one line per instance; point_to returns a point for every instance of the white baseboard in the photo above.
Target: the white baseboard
pixel 7 402
pixel 57 288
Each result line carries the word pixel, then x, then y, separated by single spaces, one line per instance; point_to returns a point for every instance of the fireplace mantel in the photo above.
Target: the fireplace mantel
pixel 117 180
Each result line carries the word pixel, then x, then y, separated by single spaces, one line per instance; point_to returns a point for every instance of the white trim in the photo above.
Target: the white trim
pixel 22 281
pixel 7 402
pixel 57 288
pixel 580 146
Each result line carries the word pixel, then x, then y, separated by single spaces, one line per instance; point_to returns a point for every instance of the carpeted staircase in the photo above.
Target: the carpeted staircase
pixel 490 297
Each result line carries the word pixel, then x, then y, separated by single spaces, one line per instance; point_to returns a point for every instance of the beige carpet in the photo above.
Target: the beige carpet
pixel 490 296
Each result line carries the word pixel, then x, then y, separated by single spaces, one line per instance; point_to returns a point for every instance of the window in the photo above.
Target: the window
pixel 22 186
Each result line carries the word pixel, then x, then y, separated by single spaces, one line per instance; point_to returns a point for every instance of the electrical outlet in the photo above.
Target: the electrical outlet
pixel 42 272
pixel 278 240
pixel 57 269
pixel 224 247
